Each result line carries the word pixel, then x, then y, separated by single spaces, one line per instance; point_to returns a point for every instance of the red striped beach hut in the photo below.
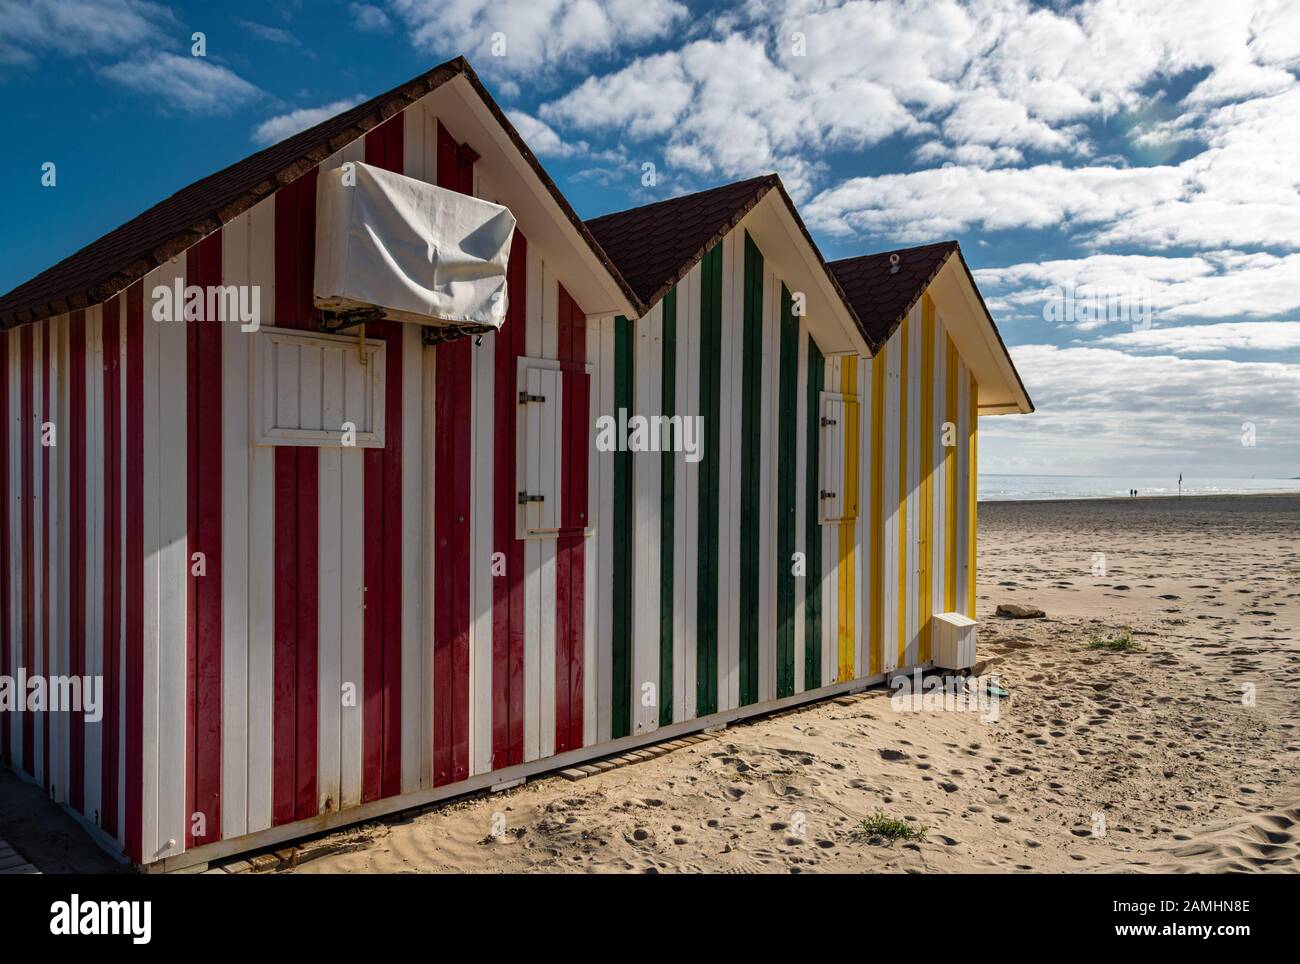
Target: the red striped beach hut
pixel 329 566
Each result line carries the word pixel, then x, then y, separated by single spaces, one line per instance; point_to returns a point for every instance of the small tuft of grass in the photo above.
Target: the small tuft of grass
pixel 880 824
pixel 1121 642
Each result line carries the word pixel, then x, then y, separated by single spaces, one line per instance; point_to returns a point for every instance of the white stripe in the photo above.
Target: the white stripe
pixel 688 342
pixel 889 574
pixel 481 580
pixel 604 523
pixel 550 343
pixel 801 483
pixel 170 554
pixel 38 558
pixel 647 363
pixel 532 547
pixel 683 408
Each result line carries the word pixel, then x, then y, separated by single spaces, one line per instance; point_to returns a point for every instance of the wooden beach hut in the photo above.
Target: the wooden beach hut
pixel 330 565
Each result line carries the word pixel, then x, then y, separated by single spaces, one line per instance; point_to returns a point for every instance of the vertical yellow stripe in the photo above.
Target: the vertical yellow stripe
pixel 904 332
pixel 847 580
pixel 950 470
pixel 971 492
pixel 925 594
pixel 876 641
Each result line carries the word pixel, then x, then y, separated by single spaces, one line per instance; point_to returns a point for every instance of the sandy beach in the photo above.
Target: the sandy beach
pixel 1099 760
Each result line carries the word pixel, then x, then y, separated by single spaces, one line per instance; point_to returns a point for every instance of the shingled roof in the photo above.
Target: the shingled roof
pixel 655 245
pixel 106 266
pixel 883 297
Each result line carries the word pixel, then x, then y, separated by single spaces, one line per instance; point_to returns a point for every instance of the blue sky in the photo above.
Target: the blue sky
pixel 1124 177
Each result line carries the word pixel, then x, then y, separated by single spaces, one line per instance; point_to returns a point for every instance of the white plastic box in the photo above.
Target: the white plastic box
pixel 954 641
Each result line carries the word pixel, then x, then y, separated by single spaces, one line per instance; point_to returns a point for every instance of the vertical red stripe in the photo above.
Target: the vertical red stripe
pixel 451 571
pixel 203 493
pixel 46 563
pixel 508 590
pixel 381 726
pixel 285 672
pixel 134 769
pixel 76 548
pixel 112 388
pixel 570 577
pixel 308 590
pixel 296 542
pixel 451 521
pixel 27 531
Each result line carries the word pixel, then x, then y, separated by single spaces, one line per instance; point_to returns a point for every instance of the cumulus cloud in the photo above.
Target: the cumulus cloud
pixel 277 128
pixel 542 138
pixel 1105 411
pixel 30 28
pixel 369 18
pixel 985 82
pixel 192 84
pixel 1211 285
pixel 1270 336
pixel 274 35
pixel 535 33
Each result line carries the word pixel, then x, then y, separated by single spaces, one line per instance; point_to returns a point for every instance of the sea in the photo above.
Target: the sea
pixel 1015 488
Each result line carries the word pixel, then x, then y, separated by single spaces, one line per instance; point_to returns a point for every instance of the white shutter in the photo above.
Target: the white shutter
pixel 298 376
pixel 838 496
pixel 542 403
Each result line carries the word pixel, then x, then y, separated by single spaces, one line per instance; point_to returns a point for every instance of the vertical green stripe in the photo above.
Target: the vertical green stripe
pixel 706 675
pixel 750 468
pixel 667 490
pixel 785 497
pixel 812 603
pixel 621 719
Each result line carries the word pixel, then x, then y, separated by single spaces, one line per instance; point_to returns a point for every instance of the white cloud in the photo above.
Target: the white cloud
pixel 1214 284
pixel 192 84
pixel 277 128
pixel 274 35
pixel 29 28
pixel 542 138
pixel 1103 411
pixel 369 18
pixel 993 79
pixel 1272 336
pixel 536 33
pixel 1240 191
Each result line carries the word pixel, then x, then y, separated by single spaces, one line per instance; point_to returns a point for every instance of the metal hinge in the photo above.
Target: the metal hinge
pixel 828 421
pixel 525 398
pixel 827 495
pixel 525 498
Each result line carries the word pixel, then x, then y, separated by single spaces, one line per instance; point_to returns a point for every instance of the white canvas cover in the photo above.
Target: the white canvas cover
pixel 422 253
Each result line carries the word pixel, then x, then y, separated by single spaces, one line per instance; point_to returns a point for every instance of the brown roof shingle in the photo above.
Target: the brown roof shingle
pixel 127 253
pixel 655 245
pixel 882 297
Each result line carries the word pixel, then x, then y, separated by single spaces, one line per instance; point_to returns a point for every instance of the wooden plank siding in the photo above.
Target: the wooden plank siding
pixel 371 625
